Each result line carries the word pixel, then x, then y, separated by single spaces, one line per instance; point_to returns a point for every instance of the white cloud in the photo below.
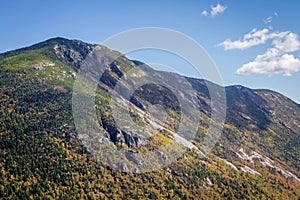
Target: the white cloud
pixel 253 38
pixel 289 43
pixel 276 60
pixel 204 13
pixel 218 9
pixel 215 10
pixel 268 20
pixel 285 64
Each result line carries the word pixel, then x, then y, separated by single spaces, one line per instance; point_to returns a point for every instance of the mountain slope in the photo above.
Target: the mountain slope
pixel 42 156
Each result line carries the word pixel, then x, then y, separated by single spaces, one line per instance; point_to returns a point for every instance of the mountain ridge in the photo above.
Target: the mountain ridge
pixel 257 151
pixel 62 40
pixel 46 43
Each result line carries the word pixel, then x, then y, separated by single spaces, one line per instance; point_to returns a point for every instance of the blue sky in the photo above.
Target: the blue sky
pixel 268 57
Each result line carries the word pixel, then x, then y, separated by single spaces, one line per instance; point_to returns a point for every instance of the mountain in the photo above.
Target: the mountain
pixel 44 155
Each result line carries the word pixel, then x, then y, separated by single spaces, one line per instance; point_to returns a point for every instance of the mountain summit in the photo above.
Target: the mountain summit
pixel 42 154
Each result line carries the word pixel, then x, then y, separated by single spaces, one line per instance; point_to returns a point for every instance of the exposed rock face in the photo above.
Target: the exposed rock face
pixel 68 54
pixel 132 140
pixel 73 54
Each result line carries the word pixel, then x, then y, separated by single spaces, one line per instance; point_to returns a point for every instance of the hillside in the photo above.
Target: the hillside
pixel 43 155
